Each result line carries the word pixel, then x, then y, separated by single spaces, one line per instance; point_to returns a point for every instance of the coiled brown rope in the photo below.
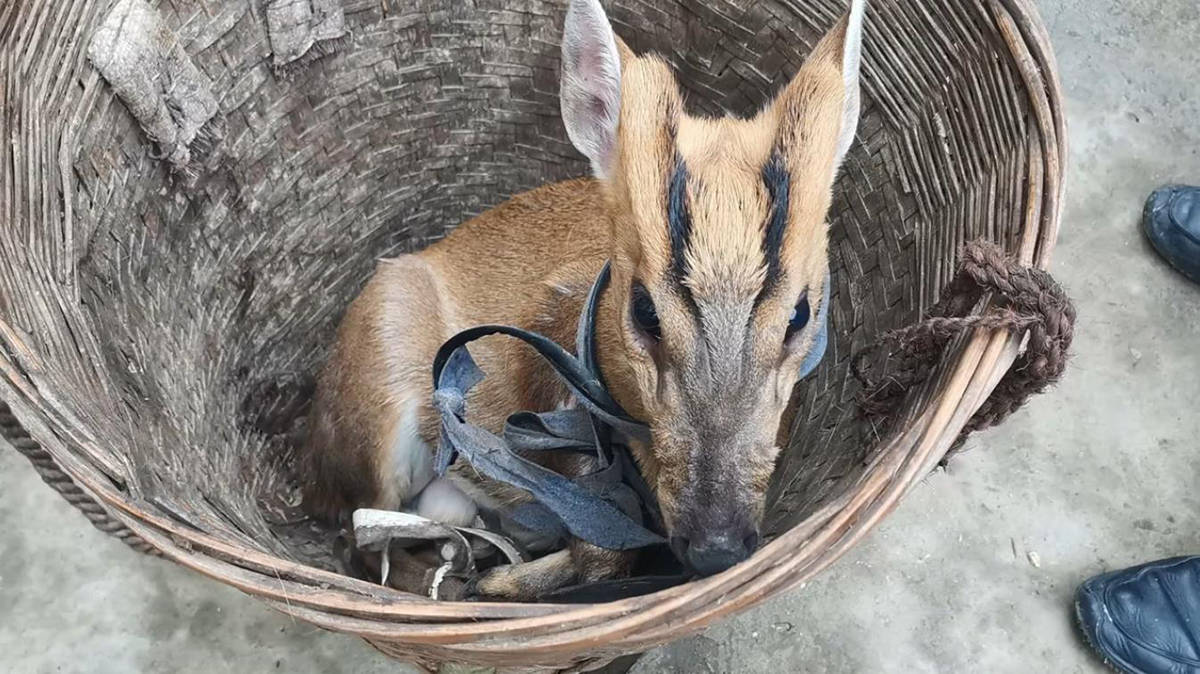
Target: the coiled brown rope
pixel 1026 299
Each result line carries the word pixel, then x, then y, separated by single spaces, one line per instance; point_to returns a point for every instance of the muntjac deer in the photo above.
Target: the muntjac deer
pixel 716 233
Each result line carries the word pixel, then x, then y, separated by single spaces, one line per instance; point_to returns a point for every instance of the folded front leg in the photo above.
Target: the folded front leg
pixel 581 562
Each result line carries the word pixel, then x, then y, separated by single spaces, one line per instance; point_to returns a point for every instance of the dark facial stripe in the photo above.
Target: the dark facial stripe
pixel 679 221
pixel 679 225
pixel 776 179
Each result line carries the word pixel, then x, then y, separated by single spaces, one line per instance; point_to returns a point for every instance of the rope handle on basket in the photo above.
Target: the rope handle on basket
pixel 12 431
pixel 1026 299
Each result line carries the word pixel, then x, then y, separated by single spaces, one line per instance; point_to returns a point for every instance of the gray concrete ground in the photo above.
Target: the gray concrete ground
pixel 1100 473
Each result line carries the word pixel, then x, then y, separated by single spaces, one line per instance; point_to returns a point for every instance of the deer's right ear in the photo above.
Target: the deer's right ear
pixel 590 93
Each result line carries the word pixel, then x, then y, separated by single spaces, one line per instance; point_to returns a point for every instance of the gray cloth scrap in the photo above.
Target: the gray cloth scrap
pixel 303 30
pixel 142 60
pixel 610 507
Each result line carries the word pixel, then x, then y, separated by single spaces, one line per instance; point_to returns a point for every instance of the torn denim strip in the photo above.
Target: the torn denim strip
pixel 142 60
pixel 610 507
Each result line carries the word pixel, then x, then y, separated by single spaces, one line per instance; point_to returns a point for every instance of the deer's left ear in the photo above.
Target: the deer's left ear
pixel 590 93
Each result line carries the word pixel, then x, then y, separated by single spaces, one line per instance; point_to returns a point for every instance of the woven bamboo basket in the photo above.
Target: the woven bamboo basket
pixel 162 314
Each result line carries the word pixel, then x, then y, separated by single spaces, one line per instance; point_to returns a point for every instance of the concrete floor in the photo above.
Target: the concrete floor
pixel 1100 473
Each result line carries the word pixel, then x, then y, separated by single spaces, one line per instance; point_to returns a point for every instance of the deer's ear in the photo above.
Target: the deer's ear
pixel 590 94
pixel 851 59
pixel 806 105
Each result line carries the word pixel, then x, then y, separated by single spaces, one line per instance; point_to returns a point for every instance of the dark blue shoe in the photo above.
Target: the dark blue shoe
pixel 1146 619
pixel 1171 220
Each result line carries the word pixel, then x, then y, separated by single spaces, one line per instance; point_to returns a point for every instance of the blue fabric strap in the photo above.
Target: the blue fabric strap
pixel 611 507
pixel 607 507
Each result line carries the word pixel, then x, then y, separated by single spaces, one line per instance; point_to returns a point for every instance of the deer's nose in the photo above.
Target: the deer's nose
pixel 711 553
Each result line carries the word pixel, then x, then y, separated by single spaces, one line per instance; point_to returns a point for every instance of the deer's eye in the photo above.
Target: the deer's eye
pixel 799 317
pixel 644 313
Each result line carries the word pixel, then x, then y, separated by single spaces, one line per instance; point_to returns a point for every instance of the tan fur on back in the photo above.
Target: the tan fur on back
pixel 517 275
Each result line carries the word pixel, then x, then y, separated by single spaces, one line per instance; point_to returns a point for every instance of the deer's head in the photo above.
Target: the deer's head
pixel 719 263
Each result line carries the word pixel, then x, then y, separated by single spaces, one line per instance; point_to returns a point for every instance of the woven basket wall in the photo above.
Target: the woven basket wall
pixel 160 325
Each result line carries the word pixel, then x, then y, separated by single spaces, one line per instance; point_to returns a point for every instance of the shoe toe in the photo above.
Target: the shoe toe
pixel 1147 619
pixel 1171 221
pixel 1156 217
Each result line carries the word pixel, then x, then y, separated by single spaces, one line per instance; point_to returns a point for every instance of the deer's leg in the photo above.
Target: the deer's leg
pixel 528 581
pixel 595 563
pixel 580 562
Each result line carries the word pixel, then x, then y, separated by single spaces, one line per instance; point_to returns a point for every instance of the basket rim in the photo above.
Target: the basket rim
pixel 523 633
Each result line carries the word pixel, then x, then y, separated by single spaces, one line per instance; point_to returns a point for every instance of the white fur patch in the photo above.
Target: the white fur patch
pixel 411 480
pixel 411 460
pixel 443 502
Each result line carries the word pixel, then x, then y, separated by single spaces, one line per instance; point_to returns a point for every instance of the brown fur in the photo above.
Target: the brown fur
pixel 714 390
